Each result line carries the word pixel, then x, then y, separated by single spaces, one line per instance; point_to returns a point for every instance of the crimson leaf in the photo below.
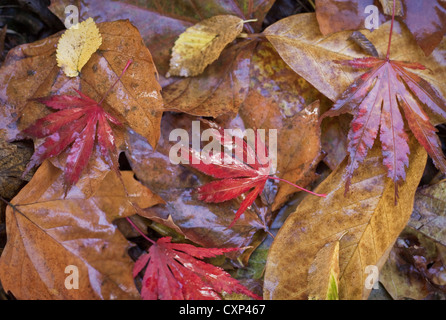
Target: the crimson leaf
pixel 174 272
pixel 238 174
pixel 77 123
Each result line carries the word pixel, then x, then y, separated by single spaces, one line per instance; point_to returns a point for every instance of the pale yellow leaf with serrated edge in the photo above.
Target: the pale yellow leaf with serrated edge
pixel 323 275
pixel 76 45
pixel 201 44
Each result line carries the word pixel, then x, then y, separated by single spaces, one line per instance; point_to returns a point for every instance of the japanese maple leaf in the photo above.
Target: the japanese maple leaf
pixel 78 123
pixel 174 272
pixel 237 174
pixel 376 100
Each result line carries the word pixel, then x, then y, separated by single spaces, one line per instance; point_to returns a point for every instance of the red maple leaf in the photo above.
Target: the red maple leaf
pixel 174 273
pixel 237 175
pixel 376 99
pixel 76 125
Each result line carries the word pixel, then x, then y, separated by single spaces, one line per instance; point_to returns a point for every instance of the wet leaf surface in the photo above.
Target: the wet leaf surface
pixel 47 233
pixel 280 100
pixel 323 274
pixel 203 223
pixel 221 89
pixel 415 268
pixel 317 54
pixel 425 19
pixel 369 216
pixel 136 100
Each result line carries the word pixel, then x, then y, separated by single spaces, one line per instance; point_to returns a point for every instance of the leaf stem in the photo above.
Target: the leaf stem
pixel 119 78
pixel 139 230
pixel 250 20
pixel 251 35
pixel 391 30
pixel 298 187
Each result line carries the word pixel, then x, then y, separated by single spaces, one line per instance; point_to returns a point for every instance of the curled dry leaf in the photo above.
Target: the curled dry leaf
pixel 201 44
pixel 368 214
pixel 76 46
pixel 323 274
pixel 48 232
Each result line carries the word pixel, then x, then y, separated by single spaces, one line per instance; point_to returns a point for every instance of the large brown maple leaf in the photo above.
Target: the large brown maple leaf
pixel 376 99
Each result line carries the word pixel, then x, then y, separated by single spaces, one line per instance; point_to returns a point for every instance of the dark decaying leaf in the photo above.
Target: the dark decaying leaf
pixel 416 267
pixel 174 272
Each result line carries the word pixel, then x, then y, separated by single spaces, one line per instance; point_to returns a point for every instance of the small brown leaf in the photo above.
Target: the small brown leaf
pixel 201 44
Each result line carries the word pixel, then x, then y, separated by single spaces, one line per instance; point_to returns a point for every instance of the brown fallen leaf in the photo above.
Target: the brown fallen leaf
pixel 168 18
pixel 201 44
pixel 416 268
pixel 47 233
pixel 313 55
pixel 323 274
pixel 368 214
pixel 135 100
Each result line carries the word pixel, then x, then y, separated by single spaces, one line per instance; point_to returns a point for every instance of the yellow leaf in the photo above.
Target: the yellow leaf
pixel 76 45
pixel 201 44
